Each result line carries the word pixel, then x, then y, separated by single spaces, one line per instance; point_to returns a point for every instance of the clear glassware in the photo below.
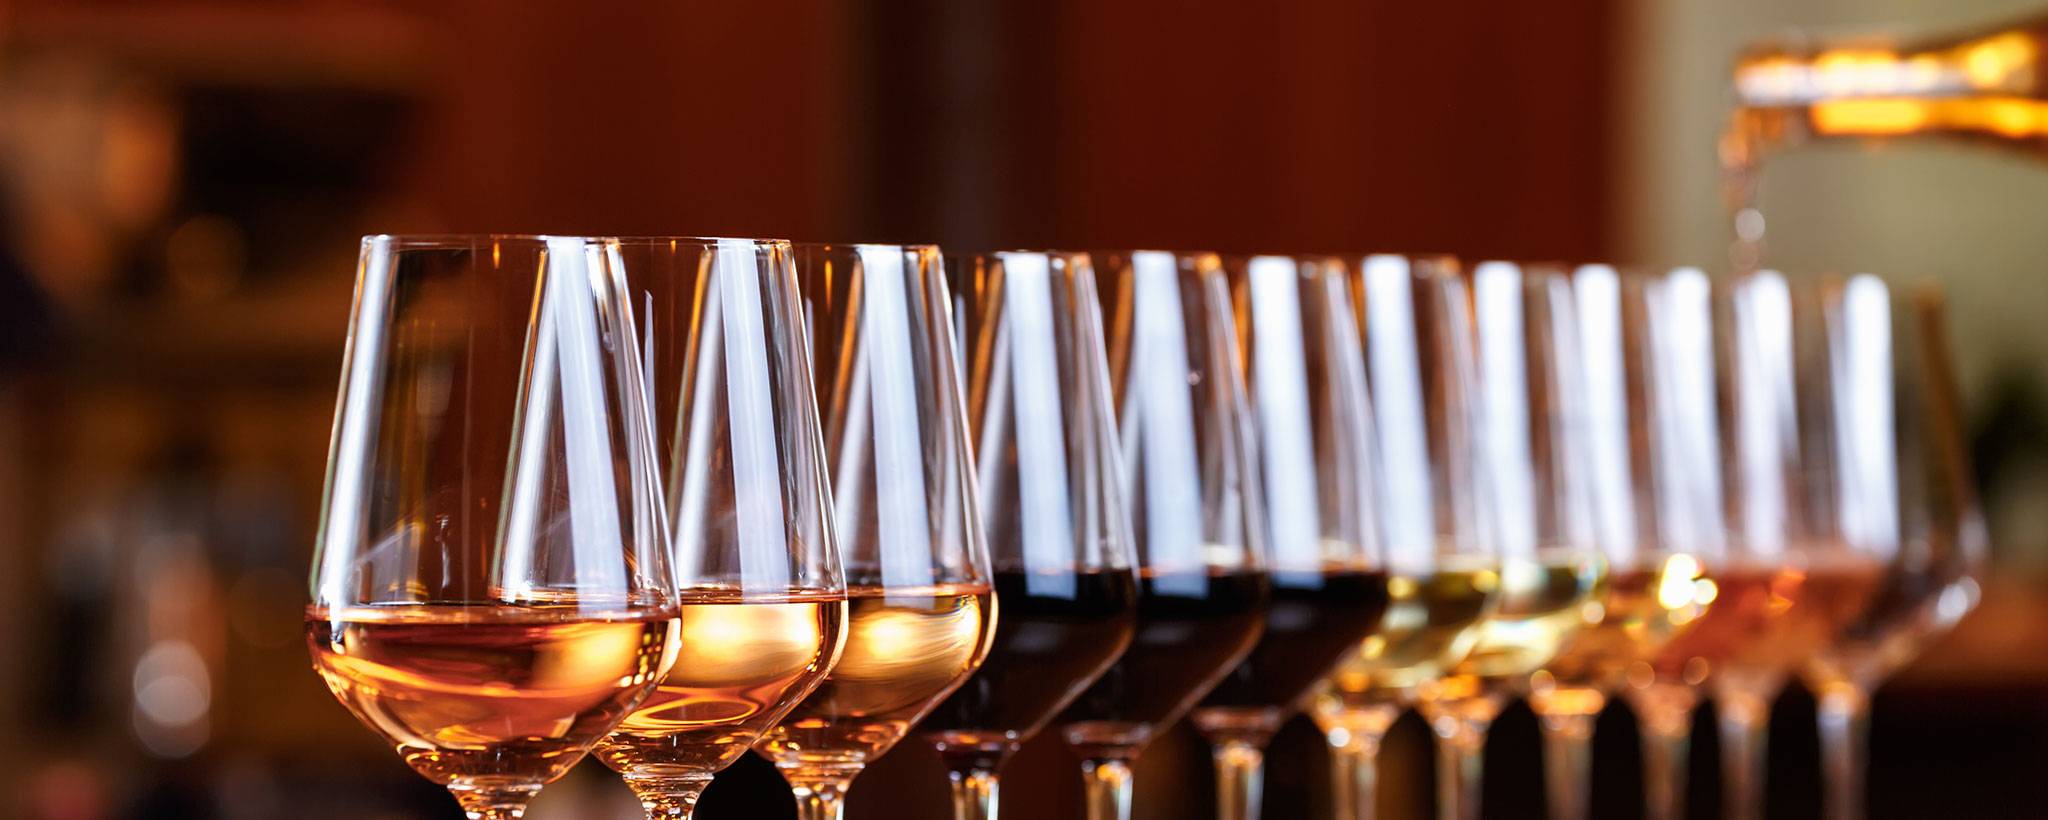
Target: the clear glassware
pixel 492 589
pixel 1649 352
pixel 1797 572
pixel 1190 469
pixel 1444 577
pixel 1881 430
pixel 1051 500
pixel 1643 462
pixel 1305 370
pixel 921 608
pixel 1922 512
pixel 762 600
pixel 1533 483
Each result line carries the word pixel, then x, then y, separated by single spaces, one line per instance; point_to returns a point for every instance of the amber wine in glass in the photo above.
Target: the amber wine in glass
pixel 469 692
pixel 762 602
pixel 920 609
pixel 491 591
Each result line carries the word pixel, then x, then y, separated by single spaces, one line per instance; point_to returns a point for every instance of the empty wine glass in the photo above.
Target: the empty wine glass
pixel 1886 434
pixel 1444 582
pixel 1186 433
pixel 762 601
pixel 1304 366
pixel 1535 499
pixel 491 589
pixel 1038 407
pixel 921 611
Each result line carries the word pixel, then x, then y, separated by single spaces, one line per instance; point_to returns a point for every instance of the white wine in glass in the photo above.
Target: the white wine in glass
pixel 1653 590
pixel 1535 502
pixel 1445 578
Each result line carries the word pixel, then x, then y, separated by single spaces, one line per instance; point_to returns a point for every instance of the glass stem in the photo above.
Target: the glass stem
pixel 1664 718
pixel 1844 740
pixel 1745 714
pixel 667 798
pixel 820 795
pixel 1460 753
pixel 504 803
pixel 1354 773
pixel 974 794
pixel 1667 745
pixel 1240 779
pixel 1568 763
pixel 1108 785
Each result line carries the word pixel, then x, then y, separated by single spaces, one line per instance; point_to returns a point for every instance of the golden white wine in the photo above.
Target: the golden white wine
pixel 739 666
pixel 1432 622
pixel 1544 602
pixel 510 693
pixel 1641 610
pixel 906 649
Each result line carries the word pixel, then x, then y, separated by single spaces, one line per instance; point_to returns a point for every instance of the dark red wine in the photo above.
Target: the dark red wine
pixel 1313 622
pixel 1055 634
pixel 1193 628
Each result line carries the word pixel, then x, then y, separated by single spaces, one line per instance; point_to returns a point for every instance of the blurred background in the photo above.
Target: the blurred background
pixel 183 182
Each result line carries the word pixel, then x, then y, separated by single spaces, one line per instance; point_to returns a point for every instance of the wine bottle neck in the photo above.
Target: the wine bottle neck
pixel 2003 63
pixel 1991 87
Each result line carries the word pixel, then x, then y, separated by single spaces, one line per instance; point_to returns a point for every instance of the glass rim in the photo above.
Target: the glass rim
pixel 1412 256
pixel 457 240
pixel 1180 253
pixel 460 240
pixel 1309 256
pixel 910 247
pixel 1067 253
pixel 697 241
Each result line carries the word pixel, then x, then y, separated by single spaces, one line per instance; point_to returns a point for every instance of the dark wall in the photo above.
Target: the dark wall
pixel 1469 126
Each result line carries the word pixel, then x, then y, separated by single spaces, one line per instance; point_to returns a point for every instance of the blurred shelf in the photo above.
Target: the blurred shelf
pixel 278 338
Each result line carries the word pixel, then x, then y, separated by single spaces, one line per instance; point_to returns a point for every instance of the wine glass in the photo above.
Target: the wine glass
pixel 1622 398
pixel 1329 589
pixel 1038 408
pixel 762 601
pixel 491 589
pixel 1785 587
pixel 1886 434
pixel 1535 504
pixel 1653 433
pixel 1444 580
pixel 920 608
pixel 1186 433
